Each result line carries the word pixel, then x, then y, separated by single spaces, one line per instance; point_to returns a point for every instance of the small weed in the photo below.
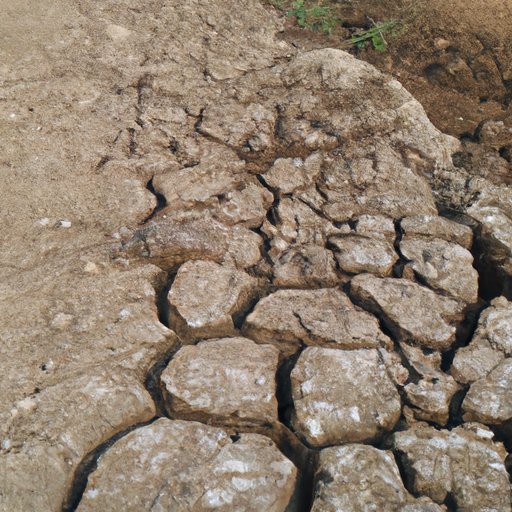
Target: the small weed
pixel 316 17
pixel 376 35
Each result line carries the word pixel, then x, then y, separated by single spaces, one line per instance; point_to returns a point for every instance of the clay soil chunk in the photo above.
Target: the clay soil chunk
pixel 342 396
pixel 183 466
pixel 204 298
pixel 491 343
pixel 489 400
pixel 431 397
pixel 230 380
pixel 358 477
pixel 444 266
pixel 305 266
pixel 173 239
pixel 356 254
pixel 463 464
pixel 432 226
pixel 327 317
pixel 412 311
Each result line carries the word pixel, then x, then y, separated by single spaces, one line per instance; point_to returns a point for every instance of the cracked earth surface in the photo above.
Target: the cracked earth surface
pixel 239 276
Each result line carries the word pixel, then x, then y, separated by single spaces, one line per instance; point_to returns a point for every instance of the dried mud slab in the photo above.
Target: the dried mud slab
pixel 438 467
pixel 229 381
pixel 411 311
pixel 358 477
pixel 326 317
pixel 489 400
pixel 444 266
pixel 359 254
pixel 432 226
pixel 491 343
pixel 44 442
pixel 183 465
pixel 342 396
pixel 206 298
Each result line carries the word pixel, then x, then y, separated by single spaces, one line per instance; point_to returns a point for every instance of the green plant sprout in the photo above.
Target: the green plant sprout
pixel 376 35
pixel 317 17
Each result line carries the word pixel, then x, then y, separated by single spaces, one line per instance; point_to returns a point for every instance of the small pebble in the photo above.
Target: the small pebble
pixel 63 223
pixel 91 267
pixel 124 313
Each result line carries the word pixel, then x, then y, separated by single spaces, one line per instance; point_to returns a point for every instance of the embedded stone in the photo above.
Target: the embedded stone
pixel 342 396
pixel 326 317
pixel 410 310
pixel 229 381
pixel 205 297
pixel 184 465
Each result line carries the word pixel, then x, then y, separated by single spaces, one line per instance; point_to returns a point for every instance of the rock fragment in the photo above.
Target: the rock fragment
pixel 430 394
pixel 172 239
pixel 183 465
pixel 229 381
pixel 205 297
pixel 306 266
pixel 376 226
pixel 342 396
pixel 356 254
pixel 489 400
pixel 444 266
pixel 433 226
pixel 463 464
pixel 491 343
pixel 288 175
pixel 326 317
pixel 358 477
pixel 412 311
pixel 431 397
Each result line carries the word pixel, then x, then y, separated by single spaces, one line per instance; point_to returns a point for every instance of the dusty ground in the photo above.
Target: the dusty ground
pixel 209 235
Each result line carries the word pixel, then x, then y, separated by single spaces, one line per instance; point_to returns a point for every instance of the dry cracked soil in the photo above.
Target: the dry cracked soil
pixel 241 274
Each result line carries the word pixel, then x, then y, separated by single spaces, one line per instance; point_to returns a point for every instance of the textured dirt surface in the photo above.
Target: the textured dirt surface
pixel 454 57
pixel 209 236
